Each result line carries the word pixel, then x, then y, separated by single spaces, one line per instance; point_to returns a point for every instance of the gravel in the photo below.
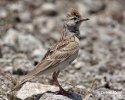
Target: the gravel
pixel 29 28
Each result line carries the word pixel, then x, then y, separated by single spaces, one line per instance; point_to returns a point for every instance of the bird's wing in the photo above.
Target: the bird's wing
pixel 58 53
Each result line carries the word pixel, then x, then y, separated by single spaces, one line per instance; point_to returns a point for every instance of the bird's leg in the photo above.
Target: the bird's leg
pixel 56 82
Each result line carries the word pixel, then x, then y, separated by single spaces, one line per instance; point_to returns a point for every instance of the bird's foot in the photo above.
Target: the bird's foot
pixel 62 92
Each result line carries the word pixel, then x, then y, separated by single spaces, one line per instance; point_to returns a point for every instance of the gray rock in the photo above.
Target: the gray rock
pixel 26 27
pixel 17 6
pixel 45 92
pixel 104 36
pixel 106 94
pixel 25 16
pixel 49 9
pixel 21 64
pixel 5 84
pixel 4 62
pixel 94 6
pixel 38 54
pixel 52 96
pixel 29 89
pixel 28 43
pixel 3 13
pixel 117 13
pixel 11 37
pixel 44 24
pixel 79 65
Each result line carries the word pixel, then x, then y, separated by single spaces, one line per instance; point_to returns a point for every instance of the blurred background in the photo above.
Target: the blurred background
pixel 29 27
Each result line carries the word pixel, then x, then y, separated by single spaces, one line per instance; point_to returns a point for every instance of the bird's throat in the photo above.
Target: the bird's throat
pixel 74 30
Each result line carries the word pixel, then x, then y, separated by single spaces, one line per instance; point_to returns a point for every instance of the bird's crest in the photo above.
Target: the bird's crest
pixel 73 12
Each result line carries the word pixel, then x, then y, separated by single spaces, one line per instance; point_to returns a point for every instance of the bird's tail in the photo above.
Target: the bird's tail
pixel 20 81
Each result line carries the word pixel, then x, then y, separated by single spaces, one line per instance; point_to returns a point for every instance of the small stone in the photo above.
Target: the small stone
pixel 80 87
pixel 11 37
pixel 38 54
pixel 17 6
pixel 27 27
pixel 49 9
pixel 4 62
pixel 8 69
pixel 21 64
pixel 25 16
pixel 94 6
pixel 52 96
pixel 3 13
pixel 55 35
pixel 28 43
pixel 106 94
pixel 117 13
pixel 78 65
pixel 44 24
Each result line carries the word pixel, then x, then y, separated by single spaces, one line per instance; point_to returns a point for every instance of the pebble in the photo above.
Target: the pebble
pixel 118 8
pixel 49 9
pixel 51 96
pixel 78 65
pixel 38 54
pixel 106 94
pixel 80 87
pixel 21 64
pixel 26 27
pixel 3 13
pixel 44 24
pixel 17 6
pixel 94 6
pixel 28 43
pixel 25 16
pixel 8 69
pixel 11 37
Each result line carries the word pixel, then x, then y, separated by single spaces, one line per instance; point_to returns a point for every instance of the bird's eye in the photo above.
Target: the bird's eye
pixel 74 18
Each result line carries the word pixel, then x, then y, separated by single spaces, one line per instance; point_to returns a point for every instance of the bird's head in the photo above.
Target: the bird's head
pixel 74 19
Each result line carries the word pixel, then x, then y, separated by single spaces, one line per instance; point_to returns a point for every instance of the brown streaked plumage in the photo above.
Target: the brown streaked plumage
pixel 74 12
pixel 62 53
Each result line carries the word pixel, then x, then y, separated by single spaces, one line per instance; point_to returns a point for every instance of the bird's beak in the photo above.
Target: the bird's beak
pixel 84 19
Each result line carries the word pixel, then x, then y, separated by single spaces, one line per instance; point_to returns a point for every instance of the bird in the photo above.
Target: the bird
pixel 61 54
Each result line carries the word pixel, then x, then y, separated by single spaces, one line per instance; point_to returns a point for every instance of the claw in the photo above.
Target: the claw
pixel 54 81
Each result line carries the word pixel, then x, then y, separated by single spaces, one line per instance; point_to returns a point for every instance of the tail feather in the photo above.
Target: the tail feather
pixel 20 82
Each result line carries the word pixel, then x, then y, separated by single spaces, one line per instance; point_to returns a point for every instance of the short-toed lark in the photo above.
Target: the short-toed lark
pixel 62 53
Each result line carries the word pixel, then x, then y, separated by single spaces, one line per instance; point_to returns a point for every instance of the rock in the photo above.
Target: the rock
pixel 11 37
pixel 117 13
pixel 21 64
pixel 79 65
pixel 25 16
pixel 29 89
pixel 106 94
pixel 44 24
pixel 3 13
pixel 80 87
pixel 44 92
pixel 28 43
pixel 49 9
pixel 38 54
pixel 8 69
pixel 26 27
pixel 5 84
pixel 55 35
pixel 104 36
pixel 4 62
pixel 52 96
pixel 17 6
pixel 94 6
